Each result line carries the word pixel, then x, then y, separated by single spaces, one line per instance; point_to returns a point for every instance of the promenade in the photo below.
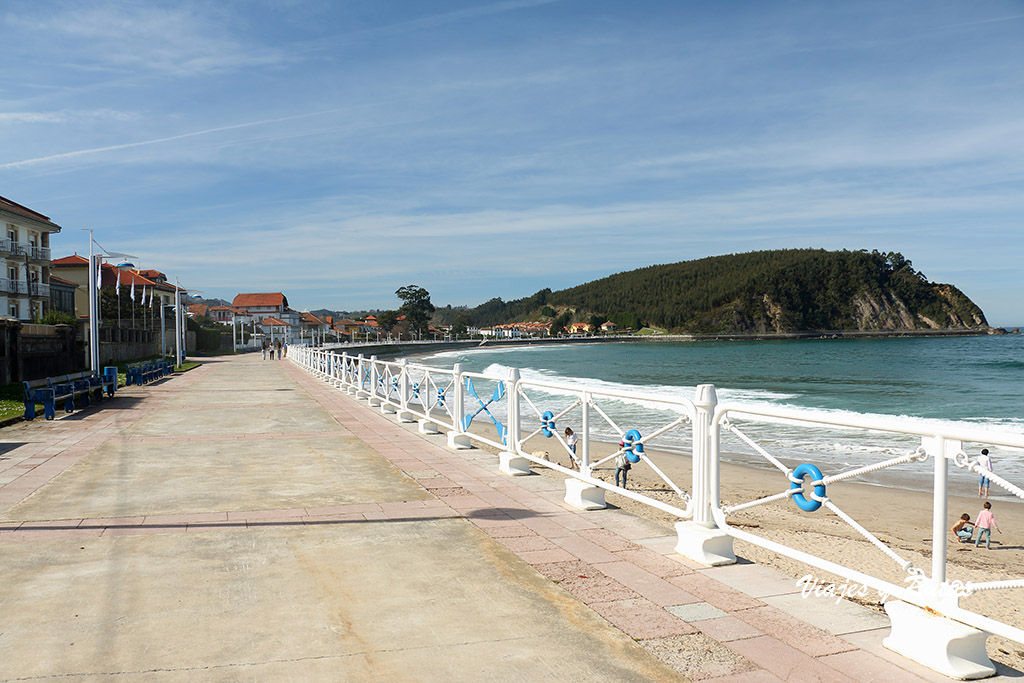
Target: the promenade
pixel 245 521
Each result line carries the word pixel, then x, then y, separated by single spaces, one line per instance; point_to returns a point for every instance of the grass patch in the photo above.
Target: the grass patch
pixel 187 365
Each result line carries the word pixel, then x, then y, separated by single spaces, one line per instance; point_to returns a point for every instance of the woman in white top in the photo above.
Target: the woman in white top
pixel 570 441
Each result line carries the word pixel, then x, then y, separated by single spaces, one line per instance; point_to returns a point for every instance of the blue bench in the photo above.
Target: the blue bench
pixel 143 373
pixel 50 390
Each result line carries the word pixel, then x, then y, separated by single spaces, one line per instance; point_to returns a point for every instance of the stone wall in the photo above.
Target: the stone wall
pixel 49 350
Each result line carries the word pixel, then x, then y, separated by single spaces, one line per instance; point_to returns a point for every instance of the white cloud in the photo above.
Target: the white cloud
pixel 184 39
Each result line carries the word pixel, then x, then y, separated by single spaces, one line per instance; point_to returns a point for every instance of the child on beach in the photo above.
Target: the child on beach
pixel 570 442
pixel 963 529
pixel 985 523
pixel 985 461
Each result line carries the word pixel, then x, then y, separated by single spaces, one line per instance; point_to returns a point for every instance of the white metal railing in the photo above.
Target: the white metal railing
pixel 13 286
pixel 510 412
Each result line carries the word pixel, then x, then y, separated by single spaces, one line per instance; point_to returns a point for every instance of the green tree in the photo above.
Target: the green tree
pixel 416 307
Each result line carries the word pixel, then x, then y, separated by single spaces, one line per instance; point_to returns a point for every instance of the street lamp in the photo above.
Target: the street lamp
pixel 94 297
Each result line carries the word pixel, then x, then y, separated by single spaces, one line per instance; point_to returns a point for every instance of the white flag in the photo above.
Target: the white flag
pixel 99 274
pixel 131 294
pixel 151 295
pixel 117 287
pixel 143 302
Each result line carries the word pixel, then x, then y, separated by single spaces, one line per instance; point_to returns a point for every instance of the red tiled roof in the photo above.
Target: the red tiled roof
pixel 260 299
pixel 311 319
pixel 199 309
pixel 73 260
pixel 54 278
pixel 273 322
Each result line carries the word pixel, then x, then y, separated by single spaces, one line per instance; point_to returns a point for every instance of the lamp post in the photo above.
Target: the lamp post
pixel 95 261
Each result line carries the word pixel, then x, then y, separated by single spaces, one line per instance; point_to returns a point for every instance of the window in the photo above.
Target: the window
pixel 12 233
pixel 13 310
pixel 12 272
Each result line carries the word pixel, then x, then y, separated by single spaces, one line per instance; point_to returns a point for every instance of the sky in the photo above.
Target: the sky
pixel 337 150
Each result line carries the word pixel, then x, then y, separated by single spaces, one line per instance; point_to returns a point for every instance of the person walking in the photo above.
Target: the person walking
pixel 985 461
pixel 986 520
pixel 264 349
pixel 622 466
pixel 277 348
pixel 963 529
pixel 284 346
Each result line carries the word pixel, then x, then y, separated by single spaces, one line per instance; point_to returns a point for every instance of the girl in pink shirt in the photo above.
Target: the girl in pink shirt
pixel 985 522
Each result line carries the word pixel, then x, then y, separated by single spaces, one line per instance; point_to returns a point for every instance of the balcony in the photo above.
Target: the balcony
pixel 39 289
pixel 9 286
pixel 34 253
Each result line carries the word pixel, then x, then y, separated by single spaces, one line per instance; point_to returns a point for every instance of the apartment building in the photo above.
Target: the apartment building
pixel 25 253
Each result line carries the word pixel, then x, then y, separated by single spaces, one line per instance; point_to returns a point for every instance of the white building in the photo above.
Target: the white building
pixel 25 250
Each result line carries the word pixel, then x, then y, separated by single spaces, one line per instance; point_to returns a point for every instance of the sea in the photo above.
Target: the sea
pixel 975 381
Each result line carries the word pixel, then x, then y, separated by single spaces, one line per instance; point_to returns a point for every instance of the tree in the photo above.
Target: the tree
pixel 462 322
pixel 416 307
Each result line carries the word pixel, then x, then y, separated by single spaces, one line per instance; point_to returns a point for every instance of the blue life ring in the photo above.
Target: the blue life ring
pixel 819 489
pixel 632 446
pixel 547 424
pixel 416 390
pixel 440 398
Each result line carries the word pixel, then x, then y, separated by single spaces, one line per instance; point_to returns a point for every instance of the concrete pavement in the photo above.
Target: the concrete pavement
pixel 246 521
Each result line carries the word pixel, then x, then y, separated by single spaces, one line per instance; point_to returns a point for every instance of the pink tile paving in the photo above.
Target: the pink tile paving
pixel 584 549
pixel 794 632
pixel 724 629
pixel 715 593
pixel 659 565
pixel 786 662
pixel 642 619
pixel 655 589
pixel 869 668
pixel 545 556
pixel 756 676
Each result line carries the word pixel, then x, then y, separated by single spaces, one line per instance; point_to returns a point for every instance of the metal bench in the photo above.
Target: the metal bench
pixel 97 383
pixel 50 390
pixel 41 391
pixel 142 372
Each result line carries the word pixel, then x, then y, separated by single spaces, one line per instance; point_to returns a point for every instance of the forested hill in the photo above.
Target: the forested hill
pixel 764 291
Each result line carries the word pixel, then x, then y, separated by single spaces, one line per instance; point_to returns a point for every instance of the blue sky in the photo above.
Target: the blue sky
pixel 338 150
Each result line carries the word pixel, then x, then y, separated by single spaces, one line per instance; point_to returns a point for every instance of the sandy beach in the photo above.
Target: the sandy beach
pixel 901 518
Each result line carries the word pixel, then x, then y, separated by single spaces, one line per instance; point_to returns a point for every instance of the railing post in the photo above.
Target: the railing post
pixel 361 377
pixel 372 399
pixel 700 539
pixel 403 394
pixel 509 461
pixel 457 438
pixel 579 493
pixel 949 647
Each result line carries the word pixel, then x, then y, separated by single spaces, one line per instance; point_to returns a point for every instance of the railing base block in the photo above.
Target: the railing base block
pixel 458 441
pixel 949 647
pixel 405 416
pixel 513 465
pixel 362 394
pixel 709 546
pixel 584 496
pixel 427 427
pixel 373 401
pixel 387 409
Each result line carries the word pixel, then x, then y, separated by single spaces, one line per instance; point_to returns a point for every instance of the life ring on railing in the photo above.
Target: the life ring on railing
pixel 632 445
pixel 547 424
pixel 819 489
pixel 440 398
